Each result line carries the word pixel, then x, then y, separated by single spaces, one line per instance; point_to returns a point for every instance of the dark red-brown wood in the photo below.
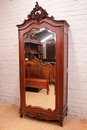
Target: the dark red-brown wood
pixel 60 27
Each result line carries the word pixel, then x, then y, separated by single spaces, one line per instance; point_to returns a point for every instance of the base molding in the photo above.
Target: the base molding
pixel 45 116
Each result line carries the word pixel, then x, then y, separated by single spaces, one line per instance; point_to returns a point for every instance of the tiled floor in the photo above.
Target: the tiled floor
pixel 10 120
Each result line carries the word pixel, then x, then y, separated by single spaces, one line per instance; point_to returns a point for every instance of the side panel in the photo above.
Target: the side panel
pixel 65 70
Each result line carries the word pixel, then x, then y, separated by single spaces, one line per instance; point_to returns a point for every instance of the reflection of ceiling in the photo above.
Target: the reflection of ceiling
pixel 41 35
pixel 47 38
pixel 37 31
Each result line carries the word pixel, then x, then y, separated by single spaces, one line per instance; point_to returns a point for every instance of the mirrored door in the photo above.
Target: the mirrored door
pixel 40 68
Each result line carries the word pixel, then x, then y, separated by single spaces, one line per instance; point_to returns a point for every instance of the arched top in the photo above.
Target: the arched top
pixel 38 15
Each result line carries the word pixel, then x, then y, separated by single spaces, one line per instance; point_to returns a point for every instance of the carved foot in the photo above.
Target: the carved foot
pixel 66 114
pixel 61 124
pixel 61 121
pixel 66 111
pixel 47 91
pixel 21 115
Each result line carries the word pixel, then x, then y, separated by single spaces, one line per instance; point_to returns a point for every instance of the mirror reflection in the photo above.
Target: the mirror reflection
pixel 40 68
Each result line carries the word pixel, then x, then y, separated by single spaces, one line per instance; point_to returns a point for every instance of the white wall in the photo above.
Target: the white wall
pixel 13 12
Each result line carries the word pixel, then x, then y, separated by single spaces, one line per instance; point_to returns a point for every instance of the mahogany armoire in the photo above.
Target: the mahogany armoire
pixel 43 42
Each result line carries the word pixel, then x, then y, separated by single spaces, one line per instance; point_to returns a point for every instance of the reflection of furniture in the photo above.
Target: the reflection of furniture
pixel 50 50
pixel 53 71
pixel 34 47
pixel 37 74
pixel 53 74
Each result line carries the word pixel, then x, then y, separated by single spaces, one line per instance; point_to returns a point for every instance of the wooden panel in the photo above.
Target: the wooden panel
pixel 65 75
pixel 53 74
pixel 36 83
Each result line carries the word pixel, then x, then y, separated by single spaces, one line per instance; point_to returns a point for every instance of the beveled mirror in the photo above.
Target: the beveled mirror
pixel 43 58
pixel 38 45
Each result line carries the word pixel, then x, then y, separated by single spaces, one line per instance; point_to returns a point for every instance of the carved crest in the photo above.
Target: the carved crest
pixel 38 13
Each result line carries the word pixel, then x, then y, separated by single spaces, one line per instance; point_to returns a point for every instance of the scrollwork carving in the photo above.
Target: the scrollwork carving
pixel 40 116
pixel 38 13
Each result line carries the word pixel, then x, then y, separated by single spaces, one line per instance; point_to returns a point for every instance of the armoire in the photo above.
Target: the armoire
pixel 43 42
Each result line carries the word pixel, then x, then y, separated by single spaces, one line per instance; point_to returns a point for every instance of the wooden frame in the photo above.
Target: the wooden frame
pixel 38 18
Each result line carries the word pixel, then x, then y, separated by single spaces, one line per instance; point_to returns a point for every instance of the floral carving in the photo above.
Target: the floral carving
pixel 38 13
pixel 40 116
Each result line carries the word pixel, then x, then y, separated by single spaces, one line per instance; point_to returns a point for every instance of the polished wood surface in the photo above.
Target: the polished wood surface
pixel 53 74
pixel 39 20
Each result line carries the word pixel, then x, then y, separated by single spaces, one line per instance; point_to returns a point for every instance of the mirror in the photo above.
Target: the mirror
pixel 40 64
